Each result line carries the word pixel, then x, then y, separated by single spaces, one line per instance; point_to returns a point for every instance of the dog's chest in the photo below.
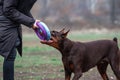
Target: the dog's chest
pixel 71 67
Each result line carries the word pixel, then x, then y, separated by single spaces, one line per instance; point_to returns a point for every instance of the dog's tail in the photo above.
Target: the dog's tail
pixel 115 39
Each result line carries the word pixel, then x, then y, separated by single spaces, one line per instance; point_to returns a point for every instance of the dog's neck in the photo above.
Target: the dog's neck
pixel 65 46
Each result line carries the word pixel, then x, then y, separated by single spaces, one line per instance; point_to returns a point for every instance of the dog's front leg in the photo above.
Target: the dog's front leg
pixel 77 75
pixel 77 72
pixel 67 75
pixel 67 69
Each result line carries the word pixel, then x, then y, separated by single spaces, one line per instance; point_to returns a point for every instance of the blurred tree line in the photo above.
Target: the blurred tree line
pixel 70 12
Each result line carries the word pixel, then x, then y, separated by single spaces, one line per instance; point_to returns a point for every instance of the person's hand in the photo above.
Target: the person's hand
pixel 34 25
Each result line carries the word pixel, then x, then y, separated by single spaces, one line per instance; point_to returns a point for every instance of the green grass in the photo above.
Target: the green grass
pixel 76 36
pixel 35 49
pixel 45 60
pixel 93 36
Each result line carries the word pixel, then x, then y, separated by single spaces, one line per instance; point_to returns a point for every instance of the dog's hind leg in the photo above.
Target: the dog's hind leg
pixel 102 69
pixel 114 62
pixel 116 70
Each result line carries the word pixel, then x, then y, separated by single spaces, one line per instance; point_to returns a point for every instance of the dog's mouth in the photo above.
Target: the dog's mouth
pixel 52 40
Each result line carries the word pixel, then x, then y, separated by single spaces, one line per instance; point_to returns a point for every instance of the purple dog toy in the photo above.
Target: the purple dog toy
pixel 42 31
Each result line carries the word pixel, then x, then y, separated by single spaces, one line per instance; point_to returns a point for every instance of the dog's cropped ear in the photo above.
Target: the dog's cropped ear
pixel 62 31
pixel 65 34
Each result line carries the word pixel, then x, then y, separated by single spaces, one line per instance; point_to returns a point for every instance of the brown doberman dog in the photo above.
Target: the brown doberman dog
pixel 79 57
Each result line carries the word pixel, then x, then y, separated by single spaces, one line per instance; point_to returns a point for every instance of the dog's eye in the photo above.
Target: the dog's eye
pixel 53 34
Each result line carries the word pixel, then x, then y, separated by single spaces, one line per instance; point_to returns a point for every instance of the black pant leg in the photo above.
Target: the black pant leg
pixel 8 66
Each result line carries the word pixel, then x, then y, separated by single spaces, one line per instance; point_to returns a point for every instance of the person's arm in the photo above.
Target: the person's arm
pixel 10 11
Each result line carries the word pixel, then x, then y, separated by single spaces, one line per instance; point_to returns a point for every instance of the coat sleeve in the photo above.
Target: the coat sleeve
pixel 11 12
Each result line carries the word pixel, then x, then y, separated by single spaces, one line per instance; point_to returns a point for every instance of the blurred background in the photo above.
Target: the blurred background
pixel 78 14
pixel 88 20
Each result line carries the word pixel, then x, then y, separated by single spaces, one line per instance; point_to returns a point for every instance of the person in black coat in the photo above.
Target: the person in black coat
pixel 13 13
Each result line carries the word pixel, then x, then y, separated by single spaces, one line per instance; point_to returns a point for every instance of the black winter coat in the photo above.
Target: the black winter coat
pixel 13 13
